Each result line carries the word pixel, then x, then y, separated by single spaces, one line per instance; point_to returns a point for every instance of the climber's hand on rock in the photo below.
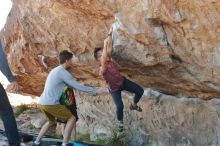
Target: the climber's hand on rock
pixel 13 87
pixel 102 91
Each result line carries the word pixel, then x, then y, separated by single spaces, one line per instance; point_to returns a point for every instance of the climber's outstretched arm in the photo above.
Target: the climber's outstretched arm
pixel 107 50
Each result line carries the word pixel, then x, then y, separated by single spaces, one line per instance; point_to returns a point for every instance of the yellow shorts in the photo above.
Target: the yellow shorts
pixel 53 112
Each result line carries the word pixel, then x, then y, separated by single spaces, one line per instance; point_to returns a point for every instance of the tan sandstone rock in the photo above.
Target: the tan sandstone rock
pixel 172 46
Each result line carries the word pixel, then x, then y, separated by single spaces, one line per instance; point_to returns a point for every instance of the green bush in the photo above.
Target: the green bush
pixel 31 126
pixel 20 109
pixel 83 137
pixel 115 139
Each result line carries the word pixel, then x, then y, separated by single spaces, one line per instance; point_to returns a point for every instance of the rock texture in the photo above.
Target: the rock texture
pixel 165 120
pixel 172 46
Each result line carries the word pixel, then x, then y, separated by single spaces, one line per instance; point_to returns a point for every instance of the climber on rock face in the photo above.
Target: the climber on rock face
pixel 116 82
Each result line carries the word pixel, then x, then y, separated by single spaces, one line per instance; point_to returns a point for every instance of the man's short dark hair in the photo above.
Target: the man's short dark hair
pixel 95 52
pixel 64 56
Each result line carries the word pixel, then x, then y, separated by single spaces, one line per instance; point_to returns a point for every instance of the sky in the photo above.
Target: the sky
pixel 15 99
pixel 5 7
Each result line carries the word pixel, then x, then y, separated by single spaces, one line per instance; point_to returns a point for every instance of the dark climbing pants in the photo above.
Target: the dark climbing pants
pixel 127 86
pixel 7 116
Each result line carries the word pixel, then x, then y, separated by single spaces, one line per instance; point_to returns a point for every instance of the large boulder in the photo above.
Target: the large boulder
pixel 167 45
pixel 172 46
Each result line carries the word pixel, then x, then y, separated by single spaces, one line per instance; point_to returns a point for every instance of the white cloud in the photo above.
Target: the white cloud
pixel 5 7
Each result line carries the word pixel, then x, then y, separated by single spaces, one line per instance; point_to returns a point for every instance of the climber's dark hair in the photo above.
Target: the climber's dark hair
pixel 95 52
pixel 64 56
